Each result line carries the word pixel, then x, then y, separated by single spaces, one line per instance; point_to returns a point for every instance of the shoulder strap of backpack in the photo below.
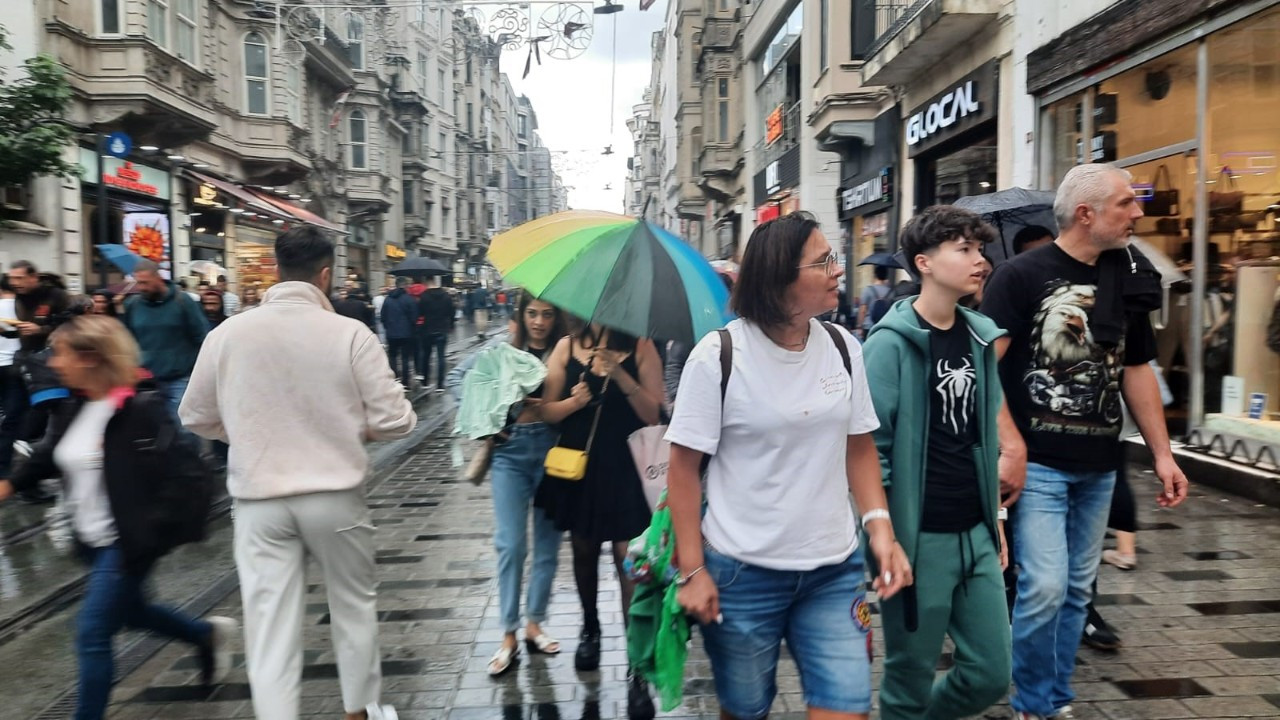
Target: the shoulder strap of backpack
pixel 838 339
pixel 726 363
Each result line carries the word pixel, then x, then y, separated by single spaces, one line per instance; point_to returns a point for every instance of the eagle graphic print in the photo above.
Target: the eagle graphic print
pixel 1074 382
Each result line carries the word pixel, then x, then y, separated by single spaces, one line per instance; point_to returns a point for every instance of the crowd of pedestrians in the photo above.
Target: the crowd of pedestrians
pixel 970 442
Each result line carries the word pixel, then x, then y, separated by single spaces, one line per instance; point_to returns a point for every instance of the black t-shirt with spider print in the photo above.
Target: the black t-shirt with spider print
pixel 952 501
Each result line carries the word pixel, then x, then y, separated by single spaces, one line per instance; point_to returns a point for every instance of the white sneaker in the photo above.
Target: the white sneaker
pixel 381 712
pixel 1063 713
pixel 1017 715
pixel 224 631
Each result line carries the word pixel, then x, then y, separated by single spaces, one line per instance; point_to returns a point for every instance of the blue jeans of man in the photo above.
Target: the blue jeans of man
pixel 14 404
pixel 173 390
pixel 516 471
pixel 113 600
pixel 1062 518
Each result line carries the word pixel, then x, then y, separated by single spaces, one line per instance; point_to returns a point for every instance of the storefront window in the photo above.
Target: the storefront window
pixel 1244 101
pixel 967 170
pixel 1149 107
pixel 1061 123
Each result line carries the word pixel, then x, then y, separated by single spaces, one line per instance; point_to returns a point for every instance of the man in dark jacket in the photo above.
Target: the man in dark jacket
pixel 347 306
pixel 436 308
pixel 399 318
pixel 169 328
pixel 41 305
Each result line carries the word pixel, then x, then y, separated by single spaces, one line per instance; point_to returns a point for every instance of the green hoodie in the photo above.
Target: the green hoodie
pixel 897 359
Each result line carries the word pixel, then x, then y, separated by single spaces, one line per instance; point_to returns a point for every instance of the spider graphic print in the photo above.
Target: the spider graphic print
pixel 955 385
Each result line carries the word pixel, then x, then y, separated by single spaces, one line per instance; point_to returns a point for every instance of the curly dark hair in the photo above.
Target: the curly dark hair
pixel 937 224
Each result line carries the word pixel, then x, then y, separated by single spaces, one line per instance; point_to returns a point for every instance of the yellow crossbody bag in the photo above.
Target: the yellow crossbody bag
pixel 568 463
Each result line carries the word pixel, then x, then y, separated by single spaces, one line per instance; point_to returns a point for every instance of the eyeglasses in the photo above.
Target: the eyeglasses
pixel 830 264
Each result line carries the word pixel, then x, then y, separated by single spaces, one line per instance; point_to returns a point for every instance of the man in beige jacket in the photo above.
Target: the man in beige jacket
pixel 296 390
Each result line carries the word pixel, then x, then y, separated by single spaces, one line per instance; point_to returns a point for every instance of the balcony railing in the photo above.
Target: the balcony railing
pixel 766 152
pixel 890 17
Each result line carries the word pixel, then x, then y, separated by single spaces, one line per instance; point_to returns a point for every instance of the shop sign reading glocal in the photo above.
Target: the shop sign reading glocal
pixel 966 103
pixel 942 114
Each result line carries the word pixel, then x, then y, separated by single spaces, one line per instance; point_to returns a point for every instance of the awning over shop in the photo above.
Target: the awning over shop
pixel 243 195
pixel 302 214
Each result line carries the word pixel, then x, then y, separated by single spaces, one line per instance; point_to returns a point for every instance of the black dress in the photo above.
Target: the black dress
pixel 608 503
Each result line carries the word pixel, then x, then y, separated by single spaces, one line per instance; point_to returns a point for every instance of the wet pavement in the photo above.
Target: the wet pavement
pixel 41 582
pixel 1200 618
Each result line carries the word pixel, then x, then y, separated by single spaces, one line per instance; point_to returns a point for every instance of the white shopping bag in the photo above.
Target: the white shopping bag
pixel 651 454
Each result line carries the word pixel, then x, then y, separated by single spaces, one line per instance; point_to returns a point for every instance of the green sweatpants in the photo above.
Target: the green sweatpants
pixel 959 592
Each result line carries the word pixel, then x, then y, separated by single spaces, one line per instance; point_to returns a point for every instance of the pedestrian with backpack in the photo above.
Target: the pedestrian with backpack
pixel 874 301
pixel 135 489
pixel 779 404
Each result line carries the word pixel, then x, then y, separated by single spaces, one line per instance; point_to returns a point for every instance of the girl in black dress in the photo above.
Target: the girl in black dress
pixel 621 378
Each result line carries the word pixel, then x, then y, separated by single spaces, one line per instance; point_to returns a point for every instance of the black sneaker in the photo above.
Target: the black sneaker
pixel 587 657
pixel 1097 634
pixel 639 702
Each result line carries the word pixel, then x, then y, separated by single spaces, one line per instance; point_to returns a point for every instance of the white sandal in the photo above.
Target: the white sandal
pixel 503 660
pixel 543 643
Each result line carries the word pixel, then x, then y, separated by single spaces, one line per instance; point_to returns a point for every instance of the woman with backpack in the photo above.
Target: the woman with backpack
pixel 134 488
pixel 788 436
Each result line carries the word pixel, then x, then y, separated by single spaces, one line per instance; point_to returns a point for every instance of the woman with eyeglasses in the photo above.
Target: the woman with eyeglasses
pixel 775 556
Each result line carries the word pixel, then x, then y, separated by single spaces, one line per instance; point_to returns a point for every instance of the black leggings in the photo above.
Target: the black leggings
pixel 1124 513
pixel 586 574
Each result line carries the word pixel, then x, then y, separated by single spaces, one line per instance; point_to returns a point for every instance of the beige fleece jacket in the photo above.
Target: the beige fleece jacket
pixel 296 390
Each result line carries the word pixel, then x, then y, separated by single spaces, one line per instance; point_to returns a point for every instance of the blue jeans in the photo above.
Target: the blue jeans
pixel 1062 518
pixel 114 600
pixel 822 614
pixel 173 390
pixel 517 470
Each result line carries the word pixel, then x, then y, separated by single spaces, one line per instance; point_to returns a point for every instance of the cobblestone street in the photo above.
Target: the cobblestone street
pixel 1200 618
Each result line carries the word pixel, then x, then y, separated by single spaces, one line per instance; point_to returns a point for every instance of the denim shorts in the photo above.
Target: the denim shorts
pixel 823 616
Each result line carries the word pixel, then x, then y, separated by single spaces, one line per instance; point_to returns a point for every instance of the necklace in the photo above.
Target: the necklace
pixel 801 345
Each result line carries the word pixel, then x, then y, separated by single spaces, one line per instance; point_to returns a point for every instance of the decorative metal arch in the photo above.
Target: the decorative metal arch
pixel 555 29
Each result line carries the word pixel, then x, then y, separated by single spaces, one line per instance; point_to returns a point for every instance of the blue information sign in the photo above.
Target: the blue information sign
pixel 119 144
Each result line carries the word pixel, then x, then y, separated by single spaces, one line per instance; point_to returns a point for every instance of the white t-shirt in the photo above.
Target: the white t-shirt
pixel 777 488
pixel 8 346
pixel 79 455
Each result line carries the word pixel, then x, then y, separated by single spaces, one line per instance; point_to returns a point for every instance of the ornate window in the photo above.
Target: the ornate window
pixel 358 140
pixel 256 74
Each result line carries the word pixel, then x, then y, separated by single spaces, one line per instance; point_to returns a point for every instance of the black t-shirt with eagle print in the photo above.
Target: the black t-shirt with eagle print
pixel 952 500
pixel 1062 387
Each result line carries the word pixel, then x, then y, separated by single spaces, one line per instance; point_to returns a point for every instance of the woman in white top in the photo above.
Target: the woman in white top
pixel 119 451
pixel 775 556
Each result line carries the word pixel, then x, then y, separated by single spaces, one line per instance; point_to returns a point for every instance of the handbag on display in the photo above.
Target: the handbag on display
pixel 1226 202
pixel 1162 203
pixel 569 463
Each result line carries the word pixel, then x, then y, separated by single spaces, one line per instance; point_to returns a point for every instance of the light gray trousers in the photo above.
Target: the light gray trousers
pixel 272 540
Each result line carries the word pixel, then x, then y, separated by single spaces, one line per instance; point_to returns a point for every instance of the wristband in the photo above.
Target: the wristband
pixel 684 580
pixel 876 514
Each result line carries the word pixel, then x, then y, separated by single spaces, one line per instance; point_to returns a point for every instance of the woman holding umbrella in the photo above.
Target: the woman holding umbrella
pixel 608 385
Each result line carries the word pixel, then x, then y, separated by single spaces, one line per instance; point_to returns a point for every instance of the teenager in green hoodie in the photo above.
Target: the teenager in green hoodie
pixel 932 370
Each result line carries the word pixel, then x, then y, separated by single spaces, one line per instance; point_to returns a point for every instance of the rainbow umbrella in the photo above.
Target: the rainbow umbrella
pixel 617 271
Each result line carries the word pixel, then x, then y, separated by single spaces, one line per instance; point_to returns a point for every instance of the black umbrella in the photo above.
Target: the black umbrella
pixel 420 266
pixel 1010 211
pixel 881 260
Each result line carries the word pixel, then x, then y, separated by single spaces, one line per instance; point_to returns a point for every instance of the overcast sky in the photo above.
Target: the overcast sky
pixel 571 98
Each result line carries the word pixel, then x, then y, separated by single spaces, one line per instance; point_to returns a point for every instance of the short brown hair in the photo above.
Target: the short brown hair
pixel 937 224
pixel 769 266
pixel 105 338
